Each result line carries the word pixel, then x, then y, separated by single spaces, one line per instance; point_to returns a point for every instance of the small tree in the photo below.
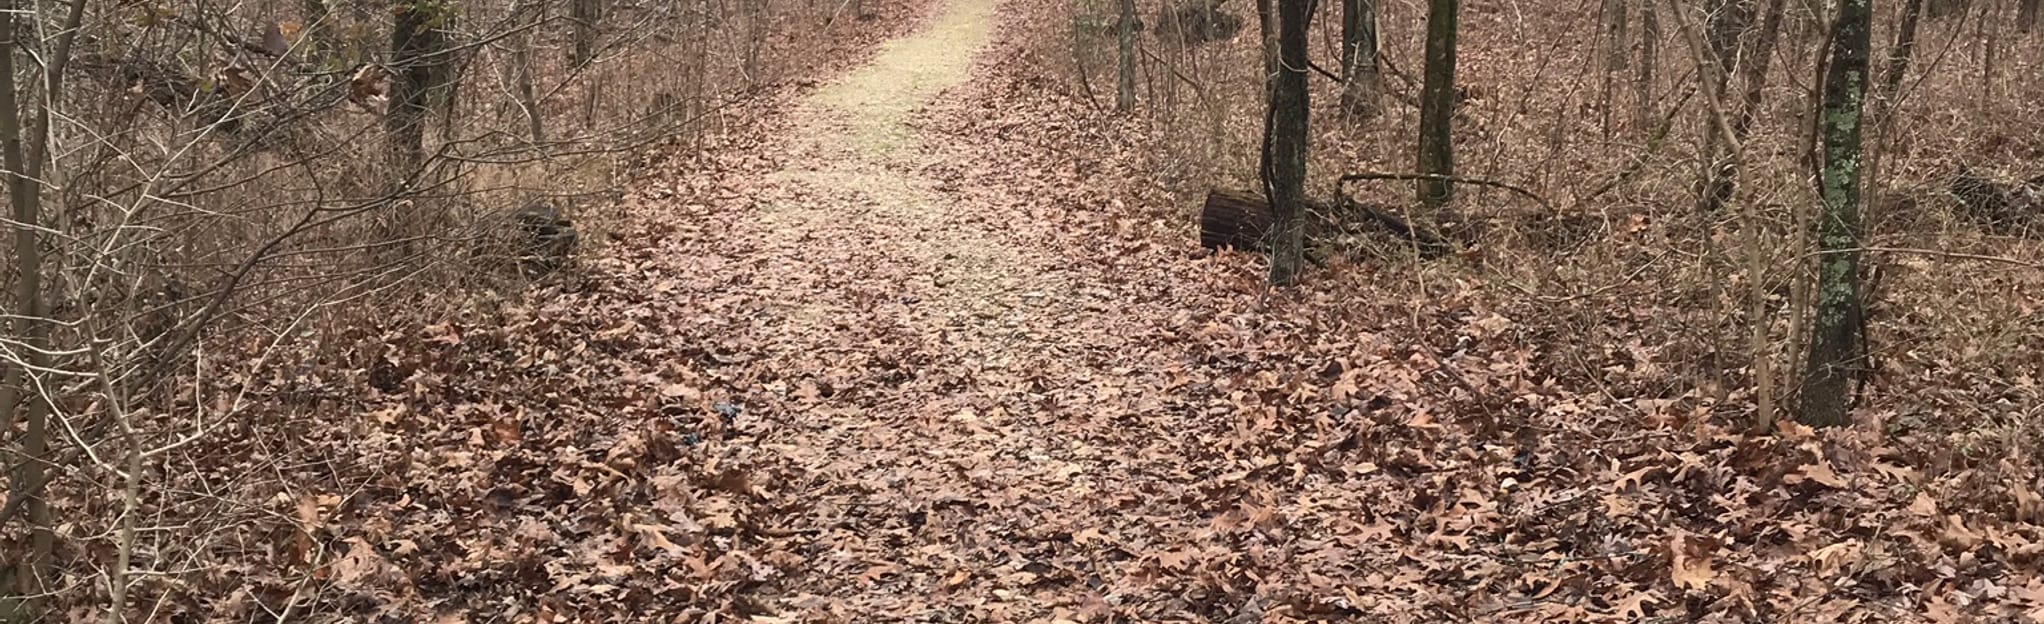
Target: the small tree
pixel 1437 107
pixel 1284 133
pixel 1835 341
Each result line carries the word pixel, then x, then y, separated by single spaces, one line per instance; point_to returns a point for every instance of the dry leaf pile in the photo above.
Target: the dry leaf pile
pixel 769 399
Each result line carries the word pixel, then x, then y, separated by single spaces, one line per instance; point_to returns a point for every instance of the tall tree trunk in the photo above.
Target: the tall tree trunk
pixel 1835 342
pixel 1125 35
pixel 1284 136
pixel 1643 78
pixel 416 47
pixel 1437 106
pixel 1616 35
pixel 533 13
pixel 24 577
pixel 1360 86
pixel 583 14
pixel 2026 15
pixel 1905 47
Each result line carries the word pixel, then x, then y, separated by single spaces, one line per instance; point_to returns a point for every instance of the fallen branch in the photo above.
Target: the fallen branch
pixel 1342 183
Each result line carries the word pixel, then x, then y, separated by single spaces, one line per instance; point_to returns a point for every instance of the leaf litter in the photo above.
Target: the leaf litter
pixel 943 357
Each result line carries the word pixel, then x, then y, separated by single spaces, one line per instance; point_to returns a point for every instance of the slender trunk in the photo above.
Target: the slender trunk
pixel 1724 23
pixel 1990 35
pixel 2026 15
pixel 1437 107
pixel 522 71
pixel 1616 35
pixel 1753 79
pixel 1285 137
pixel 1905 47
pixel 1643 80
pixel 582 13
pixel 1125 35
pixel 1360 86
pixel 1835 341
pixel 25 577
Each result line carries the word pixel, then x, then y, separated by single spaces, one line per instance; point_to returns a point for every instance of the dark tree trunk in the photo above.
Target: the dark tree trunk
pixel 1836 349
pixel 1643 78
pixel 1125 34
pixel 27 575
pixel 583 14
pixel 1359 58
pixel 2026 15
pixel 1905 47
pixel 1437 106
pixel 413 43
pixel 1284 139
pixel 417 47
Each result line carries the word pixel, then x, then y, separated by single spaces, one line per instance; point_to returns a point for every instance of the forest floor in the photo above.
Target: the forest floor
pixel 897 351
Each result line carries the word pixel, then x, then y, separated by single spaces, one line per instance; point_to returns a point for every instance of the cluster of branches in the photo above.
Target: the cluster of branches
pixel 183 175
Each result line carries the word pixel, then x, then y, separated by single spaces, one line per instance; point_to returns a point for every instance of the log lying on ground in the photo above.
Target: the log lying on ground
pixel 1241 219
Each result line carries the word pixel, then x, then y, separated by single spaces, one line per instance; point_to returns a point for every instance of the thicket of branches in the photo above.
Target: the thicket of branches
pixel 1671 154
pixel 202 190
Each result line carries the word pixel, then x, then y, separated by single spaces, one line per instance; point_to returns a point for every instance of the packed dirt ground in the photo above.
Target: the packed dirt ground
pixel 926 342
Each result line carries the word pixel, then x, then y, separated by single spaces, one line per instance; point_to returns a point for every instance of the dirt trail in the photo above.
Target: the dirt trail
pixel 859 159
pixel 934 461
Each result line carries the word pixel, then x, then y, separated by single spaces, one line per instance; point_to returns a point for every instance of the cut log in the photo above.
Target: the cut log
pixel 1237 219
pixel 1241 219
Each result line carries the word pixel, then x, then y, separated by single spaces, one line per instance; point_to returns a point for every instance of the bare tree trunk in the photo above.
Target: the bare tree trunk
pixel 583 14
pixel 415 49
pixel 1649 57
pixel 534 12
pixel 1360 79
pixel 25 577
pixel 1125 34
pixel 1905 47
pixel 1284 135
pixel 2026 15
pixel 1437 107
pixel 1836 349
pixel 1616 35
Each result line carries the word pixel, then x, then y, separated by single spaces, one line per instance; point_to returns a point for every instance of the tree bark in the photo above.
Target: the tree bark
pixel 1836 351
pixel 1125 35
pixel 1643 78
pixel 24 577
pixel 1284 137
pixel 533 13
pixel 1437 106
pixel 1360 86
pixel 1616 35
pixel 1905 47
pixel 416 48
pixel 582 13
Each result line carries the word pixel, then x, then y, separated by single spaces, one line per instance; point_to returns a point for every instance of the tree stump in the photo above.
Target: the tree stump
pixel 1237 219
